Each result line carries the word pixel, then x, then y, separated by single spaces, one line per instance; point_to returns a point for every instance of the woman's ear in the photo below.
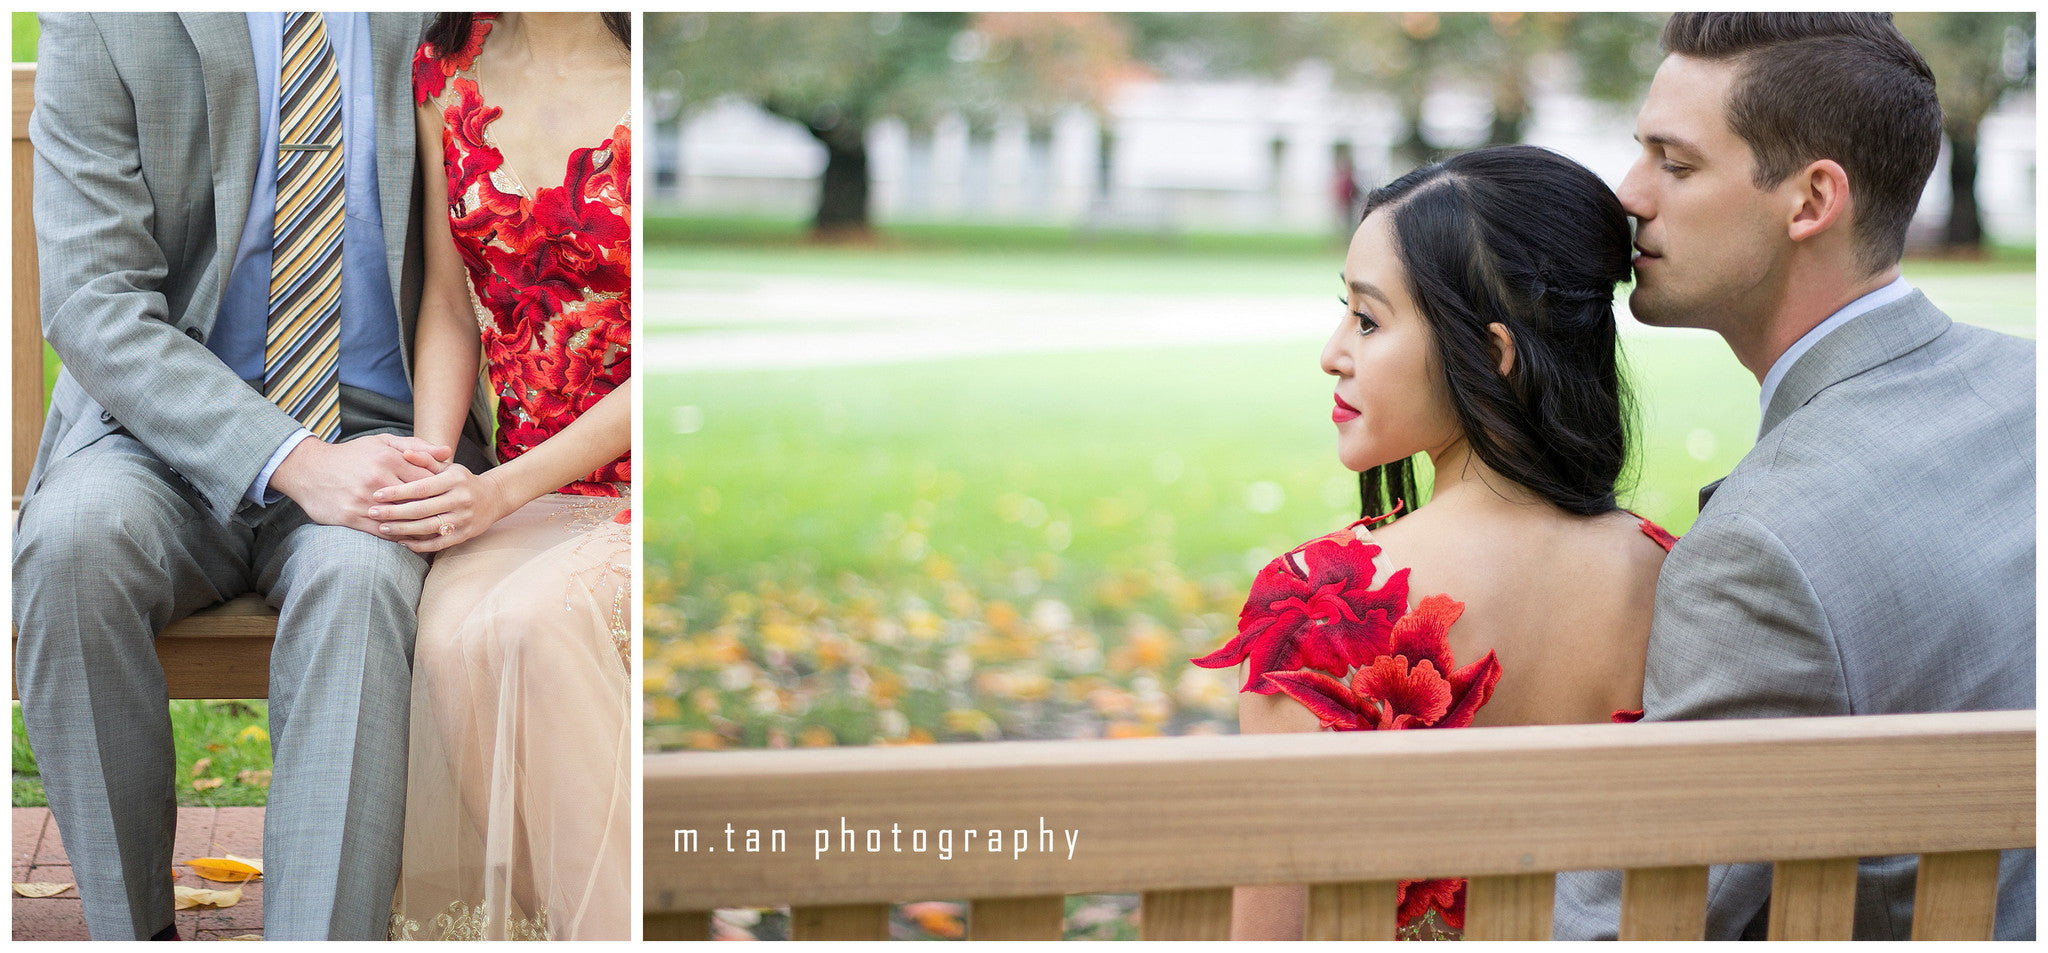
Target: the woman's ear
pixel 1503 347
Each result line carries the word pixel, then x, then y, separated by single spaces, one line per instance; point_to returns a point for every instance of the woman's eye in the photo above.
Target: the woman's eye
pixel 1366 325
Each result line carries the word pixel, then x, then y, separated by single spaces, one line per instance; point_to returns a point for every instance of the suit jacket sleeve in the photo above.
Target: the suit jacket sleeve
pixel 1738 633
pixel 103 268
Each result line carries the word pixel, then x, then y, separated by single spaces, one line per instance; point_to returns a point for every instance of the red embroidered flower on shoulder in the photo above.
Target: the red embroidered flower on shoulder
pixel 1414 684
pixel 431 67
pixel 1314 608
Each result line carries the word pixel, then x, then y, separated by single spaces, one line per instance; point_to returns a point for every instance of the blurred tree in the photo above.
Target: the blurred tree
pixel 837 74
pixel 1407 55
pixel 1977 58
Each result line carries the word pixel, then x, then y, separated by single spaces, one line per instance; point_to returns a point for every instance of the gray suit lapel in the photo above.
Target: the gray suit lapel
pixel 1865 342
pixel 394 36
pixel 233 128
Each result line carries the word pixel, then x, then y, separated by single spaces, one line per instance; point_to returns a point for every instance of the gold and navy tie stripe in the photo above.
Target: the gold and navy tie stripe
pixel 302 347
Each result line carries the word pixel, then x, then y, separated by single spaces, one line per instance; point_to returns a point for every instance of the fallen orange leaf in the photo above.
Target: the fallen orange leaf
pixel 40 889
pixel 185 898
pixel 254 778
pixel 199 767
pixel 227 870
pixel 207 784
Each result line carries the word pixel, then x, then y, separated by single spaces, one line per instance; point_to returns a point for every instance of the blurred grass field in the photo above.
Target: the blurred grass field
pixel 1032 545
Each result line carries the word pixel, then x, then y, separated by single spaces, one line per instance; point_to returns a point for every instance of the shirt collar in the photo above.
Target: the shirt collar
pixel 1870 302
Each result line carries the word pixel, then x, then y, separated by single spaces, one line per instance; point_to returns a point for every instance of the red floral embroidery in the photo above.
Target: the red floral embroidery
pixel 1417 897
pixel 550 271
pixel 1407 686
pixel 1658 533
pixel 1326 616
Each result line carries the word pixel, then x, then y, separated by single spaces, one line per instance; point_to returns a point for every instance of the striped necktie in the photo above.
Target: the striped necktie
pixel 302 346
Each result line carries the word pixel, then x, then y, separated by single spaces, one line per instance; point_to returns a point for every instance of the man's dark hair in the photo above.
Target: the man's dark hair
pixel 1841 86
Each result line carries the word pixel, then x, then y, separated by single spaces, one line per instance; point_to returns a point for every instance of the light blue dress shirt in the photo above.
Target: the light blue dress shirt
pixel 1864 305
pixel 370 356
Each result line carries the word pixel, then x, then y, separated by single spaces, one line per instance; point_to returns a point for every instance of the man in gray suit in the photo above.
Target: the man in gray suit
pixel 1875 552
pixel 167 481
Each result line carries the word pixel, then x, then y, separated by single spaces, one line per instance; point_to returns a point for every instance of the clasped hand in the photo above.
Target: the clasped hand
pixel 437 511
pixel 403 489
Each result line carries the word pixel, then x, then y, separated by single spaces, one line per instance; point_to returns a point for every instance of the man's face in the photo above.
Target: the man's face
pixel 1707 238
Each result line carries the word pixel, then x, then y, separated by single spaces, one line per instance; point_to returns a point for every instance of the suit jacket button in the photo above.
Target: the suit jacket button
pixel 106 416
pixel 193 333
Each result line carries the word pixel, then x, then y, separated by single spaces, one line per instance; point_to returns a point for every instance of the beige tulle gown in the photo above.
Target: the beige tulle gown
pixel 519 787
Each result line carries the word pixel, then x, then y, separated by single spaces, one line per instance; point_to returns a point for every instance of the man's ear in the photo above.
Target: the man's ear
pixel 1821 196
pixel 1503 347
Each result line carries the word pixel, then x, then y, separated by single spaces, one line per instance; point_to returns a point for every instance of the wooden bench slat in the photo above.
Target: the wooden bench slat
pixel 1509 907
pixel 222 652
pixel 1955 896
pixel 1185 915
pixel 1017 918
pixel 1352 911
pixel 677 926
pixel 1664 903
pixel 1587 797
pixel 1813 899
pixel 858 921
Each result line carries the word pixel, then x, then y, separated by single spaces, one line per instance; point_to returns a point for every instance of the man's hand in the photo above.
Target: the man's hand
pixel 333 482
pixel 435 513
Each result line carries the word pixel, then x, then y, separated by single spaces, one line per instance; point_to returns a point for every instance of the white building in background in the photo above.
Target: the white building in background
pixel 1225 155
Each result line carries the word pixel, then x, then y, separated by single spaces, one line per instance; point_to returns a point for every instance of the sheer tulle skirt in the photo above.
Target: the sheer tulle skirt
pixel 518 796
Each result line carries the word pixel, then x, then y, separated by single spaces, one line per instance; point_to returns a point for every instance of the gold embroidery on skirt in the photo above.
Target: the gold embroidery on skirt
pixel 464 922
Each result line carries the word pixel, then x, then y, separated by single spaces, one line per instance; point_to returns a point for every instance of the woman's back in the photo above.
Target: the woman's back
pixel 1563 601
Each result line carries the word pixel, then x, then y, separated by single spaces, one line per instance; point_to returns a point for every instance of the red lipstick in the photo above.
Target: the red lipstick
pixel 1343 411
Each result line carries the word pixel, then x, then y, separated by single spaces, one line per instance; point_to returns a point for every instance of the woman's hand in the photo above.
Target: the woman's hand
pixel 436 512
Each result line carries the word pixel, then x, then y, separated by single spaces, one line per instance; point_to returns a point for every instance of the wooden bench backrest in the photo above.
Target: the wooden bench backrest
pixel 1180 820
pixel 28 326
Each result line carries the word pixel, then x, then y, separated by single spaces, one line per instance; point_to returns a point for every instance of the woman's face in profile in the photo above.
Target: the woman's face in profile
pixel 1391 402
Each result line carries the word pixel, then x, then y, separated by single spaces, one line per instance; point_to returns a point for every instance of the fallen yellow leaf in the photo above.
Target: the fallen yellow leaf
pixel 254 778
pixel 199 767
pixel 40 889
pixel 185 898
pixel 227 870
pixel 253 863
pixel 253 733
pixel 207 784
pixel 246 936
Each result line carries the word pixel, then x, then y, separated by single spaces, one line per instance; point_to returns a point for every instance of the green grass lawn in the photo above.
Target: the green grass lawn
pixel 230 737
pixel 1032 545
pixel 1020 546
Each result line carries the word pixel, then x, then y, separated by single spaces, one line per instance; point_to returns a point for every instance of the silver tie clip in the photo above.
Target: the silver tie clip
pixel 305 147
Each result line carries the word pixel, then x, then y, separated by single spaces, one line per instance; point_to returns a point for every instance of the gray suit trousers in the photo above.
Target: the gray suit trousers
pixel 115 547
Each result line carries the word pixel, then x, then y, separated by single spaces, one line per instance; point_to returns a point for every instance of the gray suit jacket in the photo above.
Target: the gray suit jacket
pixel 146 137
pixel 1874 554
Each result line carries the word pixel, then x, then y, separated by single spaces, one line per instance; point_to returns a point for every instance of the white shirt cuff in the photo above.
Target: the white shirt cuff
pixel 260 492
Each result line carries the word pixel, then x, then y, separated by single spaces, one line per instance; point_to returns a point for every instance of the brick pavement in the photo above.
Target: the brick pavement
pixel 202 832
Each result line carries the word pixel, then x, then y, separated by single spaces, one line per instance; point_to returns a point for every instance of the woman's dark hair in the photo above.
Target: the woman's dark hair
pixel 450 31
pixel 1528 238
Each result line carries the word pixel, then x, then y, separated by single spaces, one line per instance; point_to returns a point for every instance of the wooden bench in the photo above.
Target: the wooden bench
pixel 1181 820
pixel 223 652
